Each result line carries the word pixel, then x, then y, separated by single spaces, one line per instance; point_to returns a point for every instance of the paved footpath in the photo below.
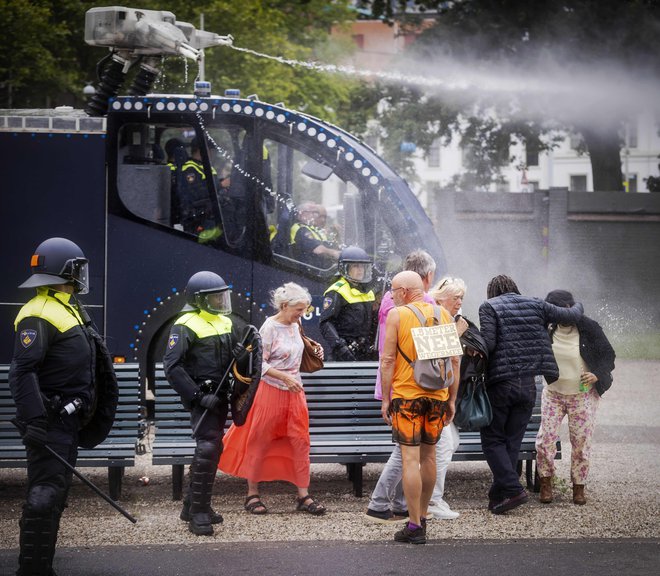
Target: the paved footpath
pixel 620 557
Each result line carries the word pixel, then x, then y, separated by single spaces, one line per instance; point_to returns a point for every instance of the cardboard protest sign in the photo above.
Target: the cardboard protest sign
pixel 436 341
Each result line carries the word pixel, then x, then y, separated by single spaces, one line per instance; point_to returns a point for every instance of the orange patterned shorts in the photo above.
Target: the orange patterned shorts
pixel 417 421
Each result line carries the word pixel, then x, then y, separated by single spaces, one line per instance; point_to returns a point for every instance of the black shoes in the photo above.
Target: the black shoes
pixel 200 524
pixel 185 514
pixel 386 516
pixel 508 503
pixel 416 536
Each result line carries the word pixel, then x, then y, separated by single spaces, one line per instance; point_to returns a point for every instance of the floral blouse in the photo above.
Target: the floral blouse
pixel 282 350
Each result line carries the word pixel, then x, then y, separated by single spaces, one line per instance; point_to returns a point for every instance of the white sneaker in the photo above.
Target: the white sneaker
pixel 442 511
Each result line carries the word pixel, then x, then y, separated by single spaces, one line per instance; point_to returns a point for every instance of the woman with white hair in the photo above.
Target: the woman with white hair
pixel 273 444
pixel 448 293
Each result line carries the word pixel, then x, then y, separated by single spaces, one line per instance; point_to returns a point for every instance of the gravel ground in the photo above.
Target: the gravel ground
pixel 623 493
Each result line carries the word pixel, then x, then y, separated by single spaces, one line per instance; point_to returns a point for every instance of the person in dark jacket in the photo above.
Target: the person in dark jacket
pixel 200 348
pixel 586 360
pixel 514 328
pixel 51 379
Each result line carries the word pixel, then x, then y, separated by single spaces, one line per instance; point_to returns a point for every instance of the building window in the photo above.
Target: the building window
pixel 434 154
pixel 578 183
pixel 532 153
pixel 576 141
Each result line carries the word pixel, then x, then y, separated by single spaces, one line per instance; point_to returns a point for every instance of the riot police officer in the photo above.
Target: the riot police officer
pixel 51 379
pixel 200 349
pixel 347 318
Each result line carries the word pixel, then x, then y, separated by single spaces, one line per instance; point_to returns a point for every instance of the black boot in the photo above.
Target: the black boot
pixel 37 544
pixel 216 518
pixel 202 476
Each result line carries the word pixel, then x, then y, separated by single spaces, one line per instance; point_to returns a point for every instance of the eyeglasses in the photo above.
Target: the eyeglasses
pixel 393 290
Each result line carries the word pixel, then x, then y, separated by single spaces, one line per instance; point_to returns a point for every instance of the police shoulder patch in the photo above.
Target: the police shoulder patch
pixel 172 341
pixel 28 337
pixel 327 302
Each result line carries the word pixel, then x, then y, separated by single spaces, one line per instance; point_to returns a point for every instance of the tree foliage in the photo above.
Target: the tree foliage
pixel 574 46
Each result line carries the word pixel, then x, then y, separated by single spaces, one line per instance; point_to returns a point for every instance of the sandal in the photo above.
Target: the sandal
pixel 254 505
pixel 309 504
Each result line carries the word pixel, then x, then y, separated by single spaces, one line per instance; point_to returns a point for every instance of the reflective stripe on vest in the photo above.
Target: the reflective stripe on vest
pixel 195 166
pixel 349 293
pixel 198 167
pixel 204 324
pixel 54 309
pixel 318 234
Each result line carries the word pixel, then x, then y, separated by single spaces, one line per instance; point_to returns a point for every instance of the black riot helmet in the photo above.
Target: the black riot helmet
pixel 59 261
pixel 207 291
pixel 355 265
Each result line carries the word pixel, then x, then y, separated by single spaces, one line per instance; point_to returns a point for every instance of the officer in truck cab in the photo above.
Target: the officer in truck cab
pixel 308 241
pixel 53 380
pixel 347 319
pixel 196 206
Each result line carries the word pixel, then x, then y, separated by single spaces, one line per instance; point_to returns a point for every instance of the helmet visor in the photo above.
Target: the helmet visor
pixel 358 272
pixel 215 302
pixel 77 270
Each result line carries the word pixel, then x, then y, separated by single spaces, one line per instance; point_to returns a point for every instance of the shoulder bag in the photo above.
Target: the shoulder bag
pixel 311 359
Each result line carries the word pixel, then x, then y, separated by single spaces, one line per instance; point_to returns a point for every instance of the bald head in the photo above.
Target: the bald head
pixel 407 286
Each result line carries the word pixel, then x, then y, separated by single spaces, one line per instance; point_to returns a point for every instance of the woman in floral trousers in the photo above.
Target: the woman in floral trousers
pixel 586 360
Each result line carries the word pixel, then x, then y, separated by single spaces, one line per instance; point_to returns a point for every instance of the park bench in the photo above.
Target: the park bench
pixel 345 424
pixel 117 451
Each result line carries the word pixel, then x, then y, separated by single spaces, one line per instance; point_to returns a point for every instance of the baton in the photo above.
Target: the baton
pixel 96 489
pixel 248 333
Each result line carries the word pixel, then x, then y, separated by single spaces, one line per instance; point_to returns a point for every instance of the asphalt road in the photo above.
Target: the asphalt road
pixel 620 557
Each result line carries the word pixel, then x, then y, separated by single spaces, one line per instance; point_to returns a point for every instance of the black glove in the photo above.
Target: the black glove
pixel 343 352
pixel 35 432
pixel 210 402
pixel 240 353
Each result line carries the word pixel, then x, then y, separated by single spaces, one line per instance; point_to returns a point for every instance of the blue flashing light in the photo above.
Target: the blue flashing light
pixel 145 312
pixel 136 326
pixel 248 294
pixel 174 290
pixel 131 345
pixel 159 299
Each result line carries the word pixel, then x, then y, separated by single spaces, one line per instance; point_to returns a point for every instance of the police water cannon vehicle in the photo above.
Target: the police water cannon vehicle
pixel 155 187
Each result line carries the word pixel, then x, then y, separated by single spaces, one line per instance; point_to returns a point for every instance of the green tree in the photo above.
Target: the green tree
pixel 572 38
pixel 43 57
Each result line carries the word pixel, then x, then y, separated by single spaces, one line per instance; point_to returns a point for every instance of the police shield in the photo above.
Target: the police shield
pixel 101 416
pixel 246 378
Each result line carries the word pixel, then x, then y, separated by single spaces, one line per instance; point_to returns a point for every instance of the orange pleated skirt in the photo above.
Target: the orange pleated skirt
pixel 273 444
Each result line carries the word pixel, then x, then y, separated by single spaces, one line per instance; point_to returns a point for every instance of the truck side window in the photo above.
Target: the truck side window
pixel 143 178
pixel 170 175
